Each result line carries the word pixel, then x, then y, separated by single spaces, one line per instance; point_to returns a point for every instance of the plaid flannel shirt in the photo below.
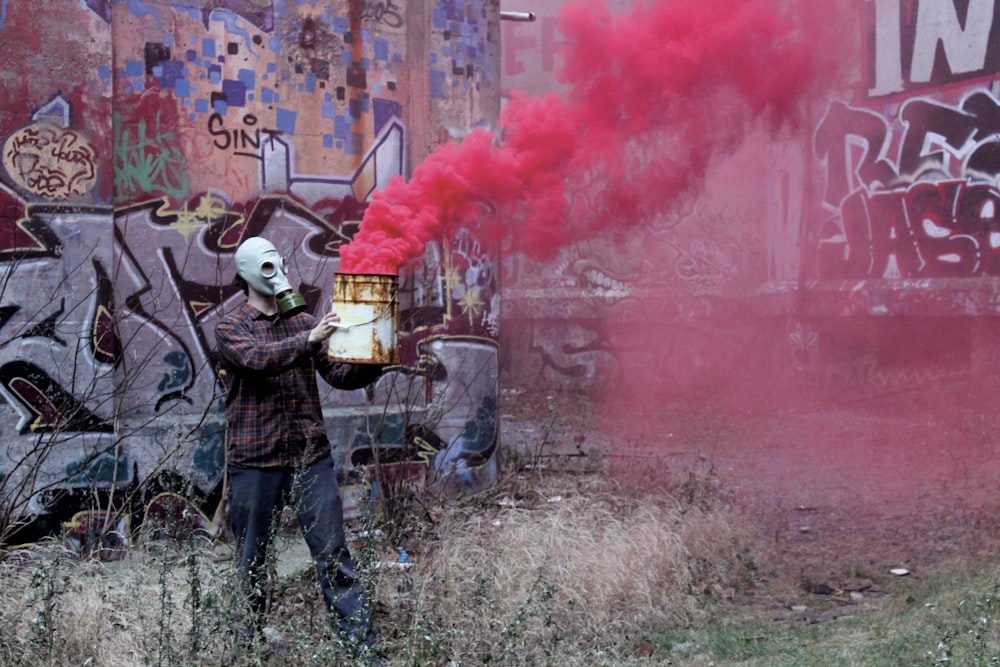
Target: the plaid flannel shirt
pixel 273 410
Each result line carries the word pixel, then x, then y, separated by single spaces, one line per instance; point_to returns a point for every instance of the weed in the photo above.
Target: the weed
pixel 567 572
pixel 972 637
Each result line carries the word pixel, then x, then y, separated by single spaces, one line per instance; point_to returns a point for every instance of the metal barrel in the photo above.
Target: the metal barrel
pixel 368 310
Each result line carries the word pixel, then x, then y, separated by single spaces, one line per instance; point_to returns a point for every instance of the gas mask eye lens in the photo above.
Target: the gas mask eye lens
pixel 267 269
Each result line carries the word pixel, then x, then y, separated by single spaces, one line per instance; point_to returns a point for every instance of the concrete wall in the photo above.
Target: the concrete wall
pixel 858 248
pixel 141 142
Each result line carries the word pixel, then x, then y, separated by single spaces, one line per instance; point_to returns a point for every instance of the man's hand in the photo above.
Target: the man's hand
pixel 324 328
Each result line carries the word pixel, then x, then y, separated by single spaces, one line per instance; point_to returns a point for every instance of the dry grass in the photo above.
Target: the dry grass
pixel 561 576
pixel 138 611
pixel 551 572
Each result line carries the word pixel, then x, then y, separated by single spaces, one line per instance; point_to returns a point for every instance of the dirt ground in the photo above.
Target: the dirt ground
pixel 842 498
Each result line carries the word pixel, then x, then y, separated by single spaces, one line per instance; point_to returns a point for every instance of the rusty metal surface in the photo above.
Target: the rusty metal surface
pixel 368 306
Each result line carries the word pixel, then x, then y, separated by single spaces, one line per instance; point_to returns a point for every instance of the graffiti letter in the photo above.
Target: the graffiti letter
pixel 978 213
pixel 844 128
pixel 888 49
pixel 926 125
pixel 964 49
pixel 216 129
pixel 148 164
pixel 948 252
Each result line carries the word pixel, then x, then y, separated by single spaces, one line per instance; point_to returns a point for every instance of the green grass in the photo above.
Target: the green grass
pixel 948 619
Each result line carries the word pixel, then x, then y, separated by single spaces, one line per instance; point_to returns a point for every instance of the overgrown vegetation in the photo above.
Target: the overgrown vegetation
pixel 540 569
pixel 534 571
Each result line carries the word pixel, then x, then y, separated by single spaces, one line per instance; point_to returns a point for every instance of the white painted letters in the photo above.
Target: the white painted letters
pixel 965 49
pixel 888 49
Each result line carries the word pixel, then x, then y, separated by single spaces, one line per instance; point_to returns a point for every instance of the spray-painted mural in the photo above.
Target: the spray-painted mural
pixel 914 188
pixel 877 198
pixel 905 230
pixel 140 143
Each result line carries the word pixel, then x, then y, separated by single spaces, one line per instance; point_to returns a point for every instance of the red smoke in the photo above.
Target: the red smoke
pixel 652 95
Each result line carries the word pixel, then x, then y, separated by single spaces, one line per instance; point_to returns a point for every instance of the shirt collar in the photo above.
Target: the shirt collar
pixel 259 314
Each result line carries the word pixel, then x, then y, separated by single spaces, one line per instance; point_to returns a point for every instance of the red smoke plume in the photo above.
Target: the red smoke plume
pixel 652 95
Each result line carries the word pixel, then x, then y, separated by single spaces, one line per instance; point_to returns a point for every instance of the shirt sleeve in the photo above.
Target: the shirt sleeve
pixel 346 376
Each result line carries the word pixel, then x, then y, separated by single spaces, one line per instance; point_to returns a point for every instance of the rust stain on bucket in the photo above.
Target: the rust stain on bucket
pixel 368 310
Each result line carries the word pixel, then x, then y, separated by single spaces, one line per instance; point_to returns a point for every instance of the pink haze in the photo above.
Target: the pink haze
pixel 652 95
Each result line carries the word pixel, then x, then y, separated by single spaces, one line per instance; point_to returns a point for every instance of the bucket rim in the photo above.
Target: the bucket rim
pixel 369 275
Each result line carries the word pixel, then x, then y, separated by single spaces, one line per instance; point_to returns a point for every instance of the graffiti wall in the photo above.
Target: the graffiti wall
pixel 910 166
pixel 798 248
pixel 141 143
pixel 904 232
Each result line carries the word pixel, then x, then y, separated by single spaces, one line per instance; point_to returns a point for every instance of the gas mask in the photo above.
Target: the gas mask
pixel 258 263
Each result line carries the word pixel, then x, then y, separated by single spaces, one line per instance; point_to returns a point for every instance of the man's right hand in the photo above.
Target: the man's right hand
pixel 324 328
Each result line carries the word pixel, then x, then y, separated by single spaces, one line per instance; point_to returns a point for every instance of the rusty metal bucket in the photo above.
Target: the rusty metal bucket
pixel 368 310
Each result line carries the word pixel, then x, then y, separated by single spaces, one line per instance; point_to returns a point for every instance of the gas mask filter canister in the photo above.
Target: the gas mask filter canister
pixel 258 263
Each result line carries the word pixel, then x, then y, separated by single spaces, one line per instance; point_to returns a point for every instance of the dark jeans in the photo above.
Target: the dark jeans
pixel 256 498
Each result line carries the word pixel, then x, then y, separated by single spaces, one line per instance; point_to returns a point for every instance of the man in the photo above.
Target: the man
pixel 278 452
